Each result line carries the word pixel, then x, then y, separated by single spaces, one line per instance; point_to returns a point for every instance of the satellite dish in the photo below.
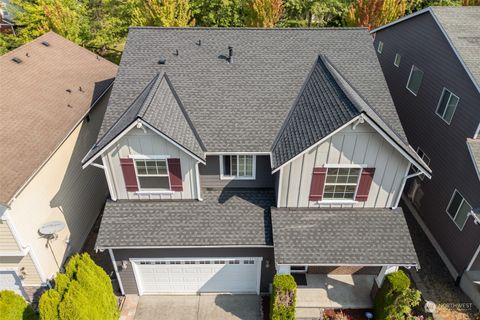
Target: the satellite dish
pixel 51 228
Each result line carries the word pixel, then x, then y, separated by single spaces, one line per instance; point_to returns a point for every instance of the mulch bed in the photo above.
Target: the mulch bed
pixel 352 314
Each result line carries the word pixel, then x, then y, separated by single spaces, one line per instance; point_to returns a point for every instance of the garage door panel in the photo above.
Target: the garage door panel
pixel 188 276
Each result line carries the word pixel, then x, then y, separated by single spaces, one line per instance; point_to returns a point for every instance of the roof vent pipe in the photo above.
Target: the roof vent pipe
pixel 230 54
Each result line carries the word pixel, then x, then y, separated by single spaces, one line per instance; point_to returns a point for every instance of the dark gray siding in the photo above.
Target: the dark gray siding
pixel 420 42
pixel 128 278
pixel 210 175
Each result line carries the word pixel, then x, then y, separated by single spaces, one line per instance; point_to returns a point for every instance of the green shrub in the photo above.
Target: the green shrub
pixel 395 299
pixel 14 307
pixel 283 297
pixel 83 292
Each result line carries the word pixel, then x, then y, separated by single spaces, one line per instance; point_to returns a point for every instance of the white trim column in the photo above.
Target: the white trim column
pixel 383 272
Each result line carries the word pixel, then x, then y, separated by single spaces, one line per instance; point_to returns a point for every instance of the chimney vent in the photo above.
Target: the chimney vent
pixel 230 54
pixel 176 52
pixel 199 42
pixel 162 61
pixel 46 44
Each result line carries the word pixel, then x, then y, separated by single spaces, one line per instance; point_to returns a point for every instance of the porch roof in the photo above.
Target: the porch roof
pixel 352 236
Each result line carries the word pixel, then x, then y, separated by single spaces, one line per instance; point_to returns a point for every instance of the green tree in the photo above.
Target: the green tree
pixel 218 13
pixel 264 13
pixel 374 13
pixel 165 13
pixel 14 307
pixel 395 299
pixel 83 292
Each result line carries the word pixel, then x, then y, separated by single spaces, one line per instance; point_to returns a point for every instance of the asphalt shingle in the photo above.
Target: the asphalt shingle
pixel 342 236
pixel 241 106
pixel 228 217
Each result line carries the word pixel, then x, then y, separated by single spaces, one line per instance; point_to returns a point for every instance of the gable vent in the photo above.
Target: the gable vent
pixel 16 60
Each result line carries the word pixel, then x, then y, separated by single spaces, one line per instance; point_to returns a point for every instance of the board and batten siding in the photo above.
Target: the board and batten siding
pixel 7 240
pixel 210 175
pixel 360 146
pixel 138 142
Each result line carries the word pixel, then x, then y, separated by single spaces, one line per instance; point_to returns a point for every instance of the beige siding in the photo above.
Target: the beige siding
pixel 140 142
pixel 7 240
pixel 62 190
pixel 22 265
pixel 362 146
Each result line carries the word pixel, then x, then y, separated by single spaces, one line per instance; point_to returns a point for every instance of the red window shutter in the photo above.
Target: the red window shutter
pixel 365 182
pixel 175 172
pixel 318 181
pixel 129 174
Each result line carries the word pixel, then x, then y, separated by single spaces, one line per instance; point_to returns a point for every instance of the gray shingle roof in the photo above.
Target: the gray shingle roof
pixel 224 218
pixel 462 25
pixel 242 106
pixel 320 109
pixel 342 236
pixel 159 106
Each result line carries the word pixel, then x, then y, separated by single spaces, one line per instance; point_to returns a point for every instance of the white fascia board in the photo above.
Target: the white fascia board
pixel 180 247
pixel 397 147
pixel 318 142
pixel 264 153
pixel 101 151
pixel 171 141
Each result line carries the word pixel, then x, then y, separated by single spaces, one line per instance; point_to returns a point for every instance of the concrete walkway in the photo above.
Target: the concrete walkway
pixel 203 307
pixel 336 291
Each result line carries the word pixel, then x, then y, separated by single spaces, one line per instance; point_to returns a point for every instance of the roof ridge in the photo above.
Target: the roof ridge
pixel 293 107
pixel 153 90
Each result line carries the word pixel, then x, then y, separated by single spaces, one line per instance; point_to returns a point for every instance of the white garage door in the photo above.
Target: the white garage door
pixel 191 276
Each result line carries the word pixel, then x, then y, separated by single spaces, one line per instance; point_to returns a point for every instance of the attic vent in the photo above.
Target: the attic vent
pixel 16 60
pixel 162 61
pixel 46 44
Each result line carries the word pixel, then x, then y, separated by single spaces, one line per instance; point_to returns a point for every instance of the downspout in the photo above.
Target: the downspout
pixel 404 181
pixel 197 177
pixel 115 267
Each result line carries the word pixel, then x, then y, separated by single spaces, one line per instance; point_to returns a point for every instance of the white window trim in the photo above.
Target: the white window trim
pixel 254 167
pixel 148 157
pixel 380 47
pixel 440 101
pixel 410 76
pixel 152 191
pixel 395 60
pixel 422 177
pixel 342 201
pixel 456 213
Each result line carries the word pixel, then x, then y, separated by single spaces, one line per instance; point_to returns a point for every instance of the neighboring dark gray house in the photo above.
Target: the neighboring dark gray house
pixel 232 154
pixel 431 61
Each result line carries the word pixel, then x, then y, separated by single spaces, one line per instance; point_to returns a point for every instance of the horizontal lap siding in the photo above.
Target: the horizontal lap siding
pixel 128 278
pixel 7 241
pixel 210 175
pixel 138 142
pixel 360 146
pixel 32 278
pixel 421 43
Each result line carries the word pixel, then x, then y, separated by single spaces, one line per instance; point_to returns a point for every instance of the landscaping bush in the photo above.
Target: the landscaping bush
pixel 13 307
pixel 283 297
pixel 83 292
pixel 395 299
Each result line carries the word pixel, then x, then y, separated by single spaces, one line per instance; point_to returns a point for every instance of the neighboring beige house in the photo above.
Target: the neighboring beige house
pixel 53 97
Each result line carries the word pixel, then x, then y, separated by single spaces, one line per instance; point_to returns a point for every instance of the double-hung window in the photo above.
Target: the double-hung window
pixel 458 209
pixel 237 166
pixel 341 183
pixel 447 105
pixel 415 80
pixel 152 174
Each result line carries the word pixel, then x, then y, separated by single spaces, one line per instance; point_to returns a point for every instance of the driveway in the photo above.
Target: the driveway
pixel 203 307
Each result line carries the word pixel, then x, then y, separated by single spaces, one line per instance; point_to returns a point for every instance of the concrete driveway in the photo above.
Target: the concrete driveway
pixel 203 307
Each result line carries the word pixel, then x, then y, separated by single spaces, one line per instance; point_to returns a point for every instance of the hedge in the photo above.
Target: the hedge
pixel 13 307
pixel 83 292
pixel 395 299
pixel 283 297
